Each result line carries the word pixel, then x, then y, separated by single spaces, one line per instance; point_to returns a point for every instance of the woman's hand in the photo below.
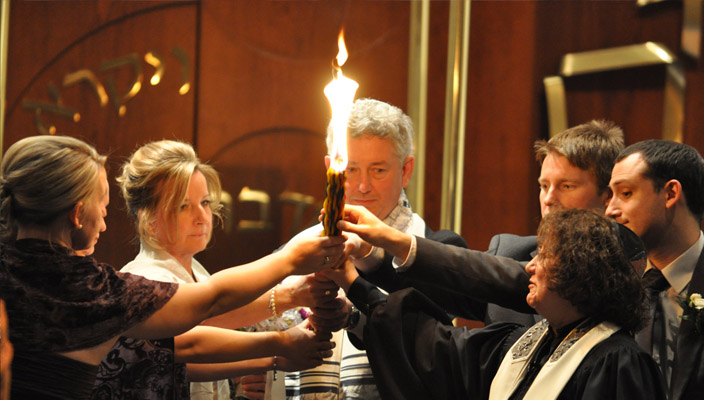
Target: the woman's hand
pixel 312 254
pixel 305 345
pixel 253 386
pixel 291 365
pixel 309 290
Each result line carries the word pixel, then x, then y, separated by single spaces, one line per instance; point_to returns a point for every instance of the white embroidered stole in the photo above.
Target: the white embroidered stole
pixel 553 376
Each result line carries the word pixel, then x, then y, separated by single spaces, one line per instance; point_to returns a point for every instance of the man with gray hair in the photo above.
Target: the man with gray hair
pixel 380 165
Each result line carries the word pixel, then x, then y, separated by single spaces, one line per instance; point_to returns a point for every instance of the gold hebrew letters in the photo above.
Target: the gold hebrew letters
pixel 121 100
pixel 182 58
pixel 87 76
pixel 262 198
pixel 300 202
pixel 55 108
pixel 108 91
pixel 154 59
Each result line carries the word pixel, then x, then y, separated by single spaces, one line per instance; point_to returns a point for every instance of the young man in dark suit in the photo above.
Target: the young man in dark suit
pixel 658 192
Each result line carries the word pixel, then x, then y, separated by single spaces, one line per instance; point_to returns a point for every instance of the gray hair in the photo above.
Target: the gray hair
pixel 375 118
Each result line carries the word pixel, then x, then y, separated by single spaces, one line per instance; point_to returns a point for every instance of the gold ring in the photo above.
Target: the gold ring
pixel 326 260
pixel 327 292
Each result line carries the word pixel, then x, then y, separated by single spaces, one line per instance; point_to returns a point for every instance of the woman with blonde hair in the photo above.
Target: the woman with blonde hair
pixel 65 310
pixel 173 199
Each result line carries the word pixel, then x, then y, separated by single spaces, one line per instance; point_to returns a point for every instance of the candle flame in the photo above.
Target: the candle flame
pixel 342 50
pixel 340 93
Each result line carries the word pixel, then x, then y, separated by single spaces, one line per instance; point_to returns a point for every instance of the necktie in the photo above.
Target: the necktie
pixel 654 331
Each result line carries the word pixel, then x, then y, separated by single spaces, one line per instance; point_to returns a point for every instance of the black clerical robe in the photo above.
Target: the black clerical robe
pixel 416 353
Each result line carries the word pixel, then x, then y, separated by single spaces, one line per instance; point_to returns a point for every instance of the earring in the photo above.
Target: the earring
pixel 80 226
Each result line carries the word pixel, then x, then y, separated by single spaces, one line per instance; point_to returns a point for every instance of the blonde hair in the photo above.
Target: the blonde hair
pixel 43 178
pixel 158 174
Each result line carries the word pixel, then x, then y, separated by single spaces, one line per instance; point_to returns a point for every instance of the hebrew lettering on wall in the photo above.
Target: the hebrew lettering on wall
pixel 105 90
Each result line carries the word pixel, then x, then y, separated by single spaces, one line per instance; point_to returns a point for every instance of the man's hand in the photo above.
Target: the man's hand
pixel 331 316
pixel 342 276
pixel 371 229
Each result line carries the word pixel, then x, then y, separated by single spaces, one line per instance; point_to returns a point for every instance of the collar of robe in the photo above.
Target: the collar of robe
pixel 560 366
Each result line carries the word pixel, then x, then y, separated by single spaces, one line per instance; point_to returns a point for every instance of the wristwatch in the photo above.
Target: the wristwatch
pixel 352 318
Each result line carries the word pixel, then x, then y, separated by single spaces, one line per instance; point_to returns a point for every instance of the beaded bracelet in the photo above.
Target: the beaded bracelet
pixel 275 365
pixel 272 302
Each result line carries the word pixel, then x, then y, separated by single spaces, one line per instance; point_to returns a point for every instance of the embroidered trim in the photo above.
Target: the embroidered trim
pixel 528 341
pixel 572 338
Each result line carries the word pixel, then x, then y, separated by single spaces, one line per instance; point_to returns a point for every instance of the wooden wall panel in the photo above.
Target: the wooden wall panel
pixel 503 109
pixel 49 40
pixel 513 45
pixel 262 114
pixel 257 109
pixel 633 98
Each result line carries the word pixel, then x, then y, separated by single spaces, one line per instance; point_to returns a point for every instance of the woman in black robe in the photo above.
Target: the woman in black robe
pixel 581 283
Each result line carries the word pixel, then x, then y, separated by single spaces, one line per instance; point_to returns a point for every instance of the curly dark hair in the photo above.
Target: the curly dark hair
pixel 587 266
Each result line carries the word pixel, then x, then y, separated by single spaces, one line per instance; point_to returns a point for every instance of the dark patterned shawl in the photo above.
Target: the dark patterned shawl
pixel 60 302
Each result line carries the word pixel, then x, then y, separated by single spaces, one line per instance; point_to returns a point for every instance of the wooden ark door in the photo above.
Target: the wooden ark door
pixel 262 115
pixel 241 80
pixel 86 69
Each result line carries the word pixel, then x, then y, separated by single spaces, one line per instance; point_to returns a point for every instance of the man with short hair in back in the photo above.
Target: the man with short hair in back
pixel 575 171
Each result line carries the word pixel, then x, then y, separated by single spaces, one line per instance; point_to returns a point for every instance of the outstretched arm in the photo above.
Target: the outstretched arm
pixel 235 287
pixel 302 291
pixel 206 344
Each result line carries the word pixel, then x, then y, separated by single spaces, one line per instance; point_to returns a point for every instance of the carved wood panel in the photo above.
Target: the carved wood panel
pixel 66 55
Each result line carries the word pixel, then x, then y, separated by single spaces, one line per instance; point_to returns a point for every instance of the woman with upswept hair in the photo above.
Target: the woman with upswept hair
pixel 65 309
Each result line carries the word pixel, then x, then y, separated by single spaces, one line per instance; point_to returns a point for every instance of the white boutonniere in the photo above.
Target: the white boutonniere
pixel 693 310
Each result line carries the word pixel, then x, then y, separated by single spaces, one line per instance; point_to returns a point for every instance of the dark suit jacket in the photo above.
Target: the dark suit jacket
pixel 688 370
pixel 503 281
pixel 470 276
pixel 519 248
pixel 463 285
pixel 388 279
